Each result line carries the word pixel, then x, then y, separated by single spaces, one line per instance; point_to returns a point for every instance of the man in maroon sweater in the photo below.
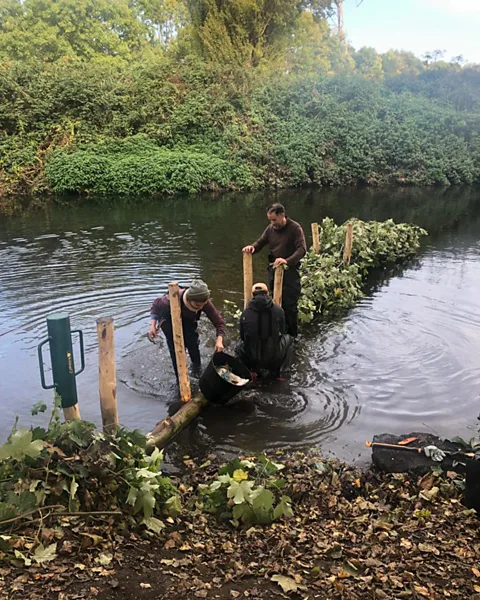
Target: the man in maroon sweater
pixel 193 301
pixel 287 246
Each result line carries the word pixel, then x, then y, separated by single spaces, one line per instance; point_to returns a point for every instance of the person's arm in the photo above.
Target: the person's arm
pixel 218 322
pixel 158 313
pixel 300 247
pixel 262 240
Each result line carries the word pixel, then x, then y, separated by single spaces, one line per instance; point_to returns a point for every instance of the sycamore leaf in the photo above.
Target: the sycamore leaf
pixel 45 554
pixel 39 407
pixel 286 583
pixel 132 496
pixel 21 445
pixel 174 506
pixel 26 561
pixel 240 492
pixel 262 499
pixel 147 502
pixel 154 524
pixel 104 559
pixel 73 488
pixel 283 508
pixel 243 512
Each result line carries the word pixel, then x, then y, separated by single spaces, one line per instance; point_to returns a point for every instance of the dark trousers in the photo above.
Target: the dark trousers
pixel 290 296
pixel 190 338
pixel 284 357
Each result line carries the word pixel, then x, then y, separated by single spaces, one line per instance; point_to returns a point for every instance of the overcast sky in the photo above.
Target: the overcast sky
pixel 416 25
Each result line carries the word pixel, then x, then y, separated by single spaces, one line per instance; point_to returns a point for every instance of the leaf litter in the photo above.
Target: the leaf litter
pixel 353 535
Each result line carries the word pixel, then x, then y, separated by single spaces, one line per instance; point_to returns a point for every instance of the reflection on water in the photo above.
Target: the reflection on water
pixel 405 358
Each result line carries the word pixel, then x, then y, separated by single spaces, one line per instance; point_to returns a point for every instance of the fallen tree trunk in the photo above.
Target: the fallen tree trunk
pixel 167 429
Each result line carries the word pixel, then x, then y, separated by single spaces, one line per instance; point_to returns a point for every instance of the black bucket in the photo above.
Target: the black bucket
pixel 214 387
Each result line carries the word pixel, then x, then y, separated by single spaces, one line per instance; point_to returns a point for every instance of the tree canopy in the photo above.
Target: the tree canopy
pixel 232 93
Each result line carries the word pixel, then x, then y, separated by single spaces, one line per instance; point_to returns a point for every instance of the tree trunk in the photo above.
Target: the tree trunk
pixel 165 430
pixel 340 27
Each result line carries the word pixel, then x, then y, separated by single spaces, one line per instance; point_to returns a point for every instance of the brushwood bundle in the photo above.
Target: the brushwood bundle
pixel 330 285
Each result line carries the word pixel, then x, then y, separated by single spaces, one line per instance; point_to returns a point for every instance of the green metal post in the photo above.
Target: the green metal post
pixel 61 352
pixel 63 366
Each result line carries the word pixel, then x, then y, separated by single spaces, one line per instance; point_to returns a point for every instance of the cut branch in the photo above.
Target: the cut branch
pixel 165 430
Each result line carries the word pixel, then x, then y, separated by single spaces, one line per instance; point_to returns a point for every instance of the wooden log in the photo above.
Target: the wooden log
pixel 180 354
pixel 107 373
pixel 347 252
pixel 165 430
pixel 71 413
pixel 247 278
pixel 315 238
pixel 278 285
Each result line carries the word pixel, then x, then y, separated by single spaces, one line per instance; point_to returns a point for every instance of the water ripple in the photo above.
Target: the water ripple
pixel 407 355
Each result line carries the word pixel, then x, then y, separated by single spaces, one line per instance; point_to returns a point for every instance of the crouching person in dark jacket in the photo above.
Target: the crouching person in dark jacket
pixel 264 344
pixel 193 301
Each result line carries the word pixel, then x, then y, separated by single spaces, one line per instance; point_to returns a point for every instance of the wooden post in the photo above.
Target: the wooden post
pixel 247 277
pixel 165 430
pixel 316 238
pixel 107 373
pixel 278 285
pixel 71 413
pixel 347 252
pixel 180 354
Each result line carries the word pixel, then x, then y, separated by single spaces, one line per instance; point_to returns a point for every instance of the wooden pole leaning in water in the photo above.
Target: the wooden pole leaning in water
pixel 347 252
pixel 180 354
pixel 165 430
pixel 278 285
pixel 107 373
pixel 315 238
pixel 247 278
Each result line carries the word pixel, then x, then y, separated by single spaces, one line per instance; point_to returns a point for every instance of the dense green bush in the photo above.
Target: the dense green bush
pixel 168 126
pixel 140 169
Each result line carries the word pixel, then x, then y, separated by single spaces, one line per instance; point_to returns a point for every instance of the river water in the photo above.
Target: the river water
pixel 406 358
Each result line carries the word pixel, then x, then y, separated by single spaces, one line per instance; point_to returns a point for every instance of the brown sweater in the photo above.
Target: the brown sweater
pixel 288 242
pixel 161 310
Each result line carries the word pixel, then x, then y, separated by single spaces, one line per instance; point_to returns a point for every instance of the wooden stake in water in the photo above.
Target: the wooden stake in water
pixel 107 373
pixel 278 285
pixel 247 278
pixel 180 354
pixel 347 252
pixel 316 238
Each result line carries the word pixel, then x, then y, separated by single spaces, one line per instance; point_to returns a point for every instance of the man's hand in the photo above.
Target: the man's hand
pixel 278 262
pixel 153 330
pixel 219 344
pixel 248 249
